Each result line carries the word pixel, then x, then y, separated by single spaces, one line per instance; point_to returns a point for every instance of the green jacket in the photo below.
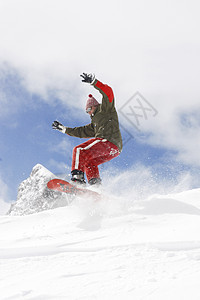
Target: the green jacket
pixel 104 122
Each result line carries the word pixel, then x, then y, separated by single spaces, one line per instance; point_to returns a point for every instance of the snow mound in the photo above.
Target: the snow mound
pixel 33 195
pixel 158 205
pixel 149 251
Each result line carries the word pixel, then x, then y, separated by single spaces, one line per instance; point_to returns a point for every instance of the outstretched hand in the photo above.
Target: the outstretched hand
pixel 58 126
pixel 88 78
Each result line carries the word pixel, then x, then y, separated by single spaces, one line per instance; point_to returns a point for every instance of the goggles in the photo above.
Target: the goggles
pixel 88 109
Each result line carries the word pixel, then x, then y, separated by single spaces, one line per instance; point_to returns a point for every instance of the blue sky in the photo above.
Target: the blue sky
pixel 134 46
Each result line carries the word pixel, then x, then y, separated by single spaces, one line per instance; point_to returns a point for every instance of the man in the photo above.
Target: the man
pixel 104 128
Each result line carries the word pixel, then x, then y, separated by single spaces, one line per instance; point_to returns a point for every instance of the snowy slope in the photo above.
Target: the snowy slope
pixel 104 250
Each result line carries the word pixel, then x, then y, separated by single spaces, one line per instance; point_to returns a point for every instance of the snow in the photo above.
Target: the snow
pixel 149 250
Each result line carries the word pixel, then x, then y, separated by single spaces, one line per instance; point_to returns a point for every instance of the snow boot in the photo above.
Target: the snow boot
pixel 78 177
pixel 95 181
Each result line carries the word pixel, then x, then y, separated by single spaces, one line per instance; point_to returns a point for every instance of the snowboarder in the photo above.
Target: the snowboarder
pixel 104 128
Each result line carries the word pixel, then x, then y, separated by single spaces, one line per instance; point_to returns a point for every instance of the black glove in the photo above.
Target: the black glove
pixel 89 78
pixel 58 126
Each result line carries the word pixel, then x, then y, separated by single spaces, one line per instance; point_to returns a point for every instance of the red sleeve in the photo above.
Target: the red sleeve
pixel 106 90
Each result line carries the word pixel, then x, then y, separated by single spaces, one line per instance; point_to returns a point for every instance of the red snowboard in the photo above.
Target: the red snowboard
pixel 68 188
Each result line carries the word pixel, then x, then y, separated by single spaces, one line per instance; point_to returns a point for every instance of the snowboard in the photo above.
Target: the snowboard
pixel 68 188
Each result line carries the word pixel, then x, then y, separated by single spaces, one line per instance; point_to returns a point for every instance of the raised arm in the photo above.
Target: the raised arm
pixel 106 91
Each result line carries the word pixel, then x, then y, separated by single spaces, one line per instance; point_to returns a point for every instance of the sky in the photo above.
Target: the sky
pixel 147 51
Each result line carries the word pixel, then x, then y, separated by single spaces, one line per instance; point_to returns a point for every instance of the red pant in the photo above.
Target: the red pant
pixel 87 156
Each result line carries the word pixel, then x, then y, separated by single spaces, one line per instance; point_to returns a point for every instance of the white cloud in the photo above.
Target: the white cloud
pixel 64 147
pixel 59 167
pixel 142 45
pixel 178 129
